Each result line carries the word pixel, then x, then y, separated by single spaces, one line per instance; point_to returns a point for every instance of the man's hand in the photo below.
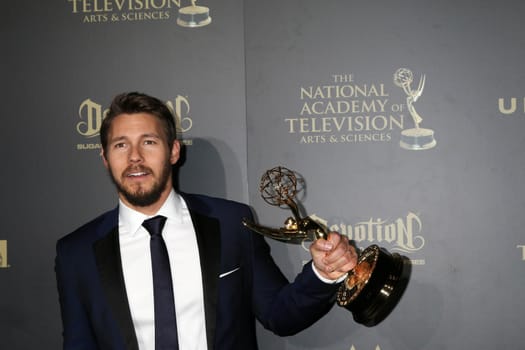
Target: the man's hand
pixel 333 257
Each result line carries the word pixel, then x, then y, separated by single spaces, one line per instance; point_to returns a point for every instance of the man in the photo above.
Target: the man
pixel 223 274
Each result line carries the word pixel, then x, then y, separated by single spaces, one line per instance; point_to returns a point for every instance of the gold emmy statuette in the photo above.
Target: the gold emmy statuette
pixel 416 138
pixel 194 16
pixel 373 288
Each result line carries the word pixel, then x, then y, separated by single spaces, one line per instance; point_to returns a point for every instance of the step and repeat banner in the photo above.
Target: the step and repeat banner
pixel 402 120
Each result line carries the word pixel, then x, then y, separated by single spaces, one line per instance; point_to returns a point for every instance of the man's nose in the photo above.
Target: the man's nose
pixel 135 154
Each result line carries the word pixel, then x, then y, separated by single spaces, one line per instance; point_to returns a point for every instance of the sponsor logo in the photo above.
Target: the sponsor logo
pixel 404 234
pixel 344 110
pixel 511 106
pixel 121 11
pixel 91 115
pixel 347 110
pixel 522 251
pixel 3 254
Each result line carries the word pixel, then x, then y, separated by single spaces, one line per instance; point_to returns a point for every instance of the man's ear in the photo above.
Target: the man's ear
pixel 175 152
pixel 104 160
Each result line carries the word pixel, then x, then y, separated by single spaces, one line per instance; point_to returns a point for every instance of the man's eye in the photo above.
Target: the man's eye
pixel 149 142
pixel 120 145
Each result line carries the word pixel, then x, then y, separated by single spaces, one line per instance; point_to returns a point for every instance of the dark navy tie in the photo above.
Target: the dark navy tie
pixel 165 321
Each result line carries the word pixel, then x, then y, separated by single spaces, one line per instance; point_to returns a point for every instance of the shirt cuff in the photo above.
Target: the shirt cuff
pixel 326 280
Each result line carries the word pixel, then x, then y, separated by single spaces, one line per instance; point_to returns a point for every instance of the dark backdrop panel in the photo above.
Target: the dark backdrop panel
pixel 456 209
pixel 60 70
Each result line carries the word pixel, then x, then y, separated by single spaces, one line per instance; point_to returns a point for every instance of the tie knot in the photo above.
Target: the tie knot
pixel 155 225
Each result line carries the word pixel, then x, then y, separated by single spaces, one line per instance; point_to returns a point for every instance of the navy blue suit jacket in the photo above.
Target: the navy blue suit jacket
pixel 93 300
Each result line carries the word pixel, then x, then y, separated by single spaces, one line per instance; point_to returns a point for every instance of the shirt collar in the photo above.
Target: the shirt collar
pixel 131 220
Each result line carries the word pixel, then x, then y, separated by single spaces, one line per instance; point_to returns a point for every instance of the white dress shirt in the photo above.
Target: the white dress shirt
pixel 179 235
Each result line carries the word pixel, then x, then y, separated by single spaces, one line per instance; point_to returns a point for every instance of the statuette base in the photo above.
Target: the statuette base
pixel 417 139
pixel 194 16
pixel 375 286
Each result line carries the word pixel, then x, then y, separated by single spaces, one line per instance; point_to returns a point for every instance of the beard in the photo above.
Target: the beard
pixel 141 197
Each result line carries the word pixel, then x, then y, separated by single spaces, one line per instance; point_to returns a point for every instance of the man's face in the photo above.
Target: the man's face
pixel 139 160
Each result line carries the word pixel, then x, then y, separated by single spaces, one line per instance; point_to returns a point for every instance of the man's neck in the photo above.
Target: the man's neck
pixel 148 210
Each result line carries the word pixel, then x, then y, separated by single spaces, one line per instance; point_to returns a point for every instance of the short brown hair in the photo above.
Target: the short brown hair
pixel 135 102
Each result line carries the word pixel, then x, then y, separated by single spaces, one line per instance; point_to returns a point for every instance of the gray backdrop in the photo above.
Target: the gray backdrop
pixel 304 84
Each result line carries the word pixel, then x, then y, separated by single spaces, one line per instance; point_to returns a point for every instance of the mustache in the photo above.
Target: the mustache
pixel 137 169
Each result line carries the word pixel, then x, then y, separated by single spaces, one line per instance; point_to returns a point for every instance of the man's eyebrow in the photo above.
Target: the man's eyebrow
pixel 151 135
pixel 145 135
pixel 117 138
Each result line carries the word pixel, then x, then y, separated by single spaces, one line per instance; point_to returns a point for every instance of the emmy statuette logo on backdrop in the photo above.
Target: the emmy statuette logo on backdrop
pixel 373 288
pixel 194 16
pixel 416 138
pixel 3 254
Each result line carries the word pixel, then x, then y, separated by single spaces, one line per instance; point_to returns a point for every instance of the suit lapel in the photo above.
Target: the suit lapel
pixel 107 255
pixel 209 241
pixel 109 265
